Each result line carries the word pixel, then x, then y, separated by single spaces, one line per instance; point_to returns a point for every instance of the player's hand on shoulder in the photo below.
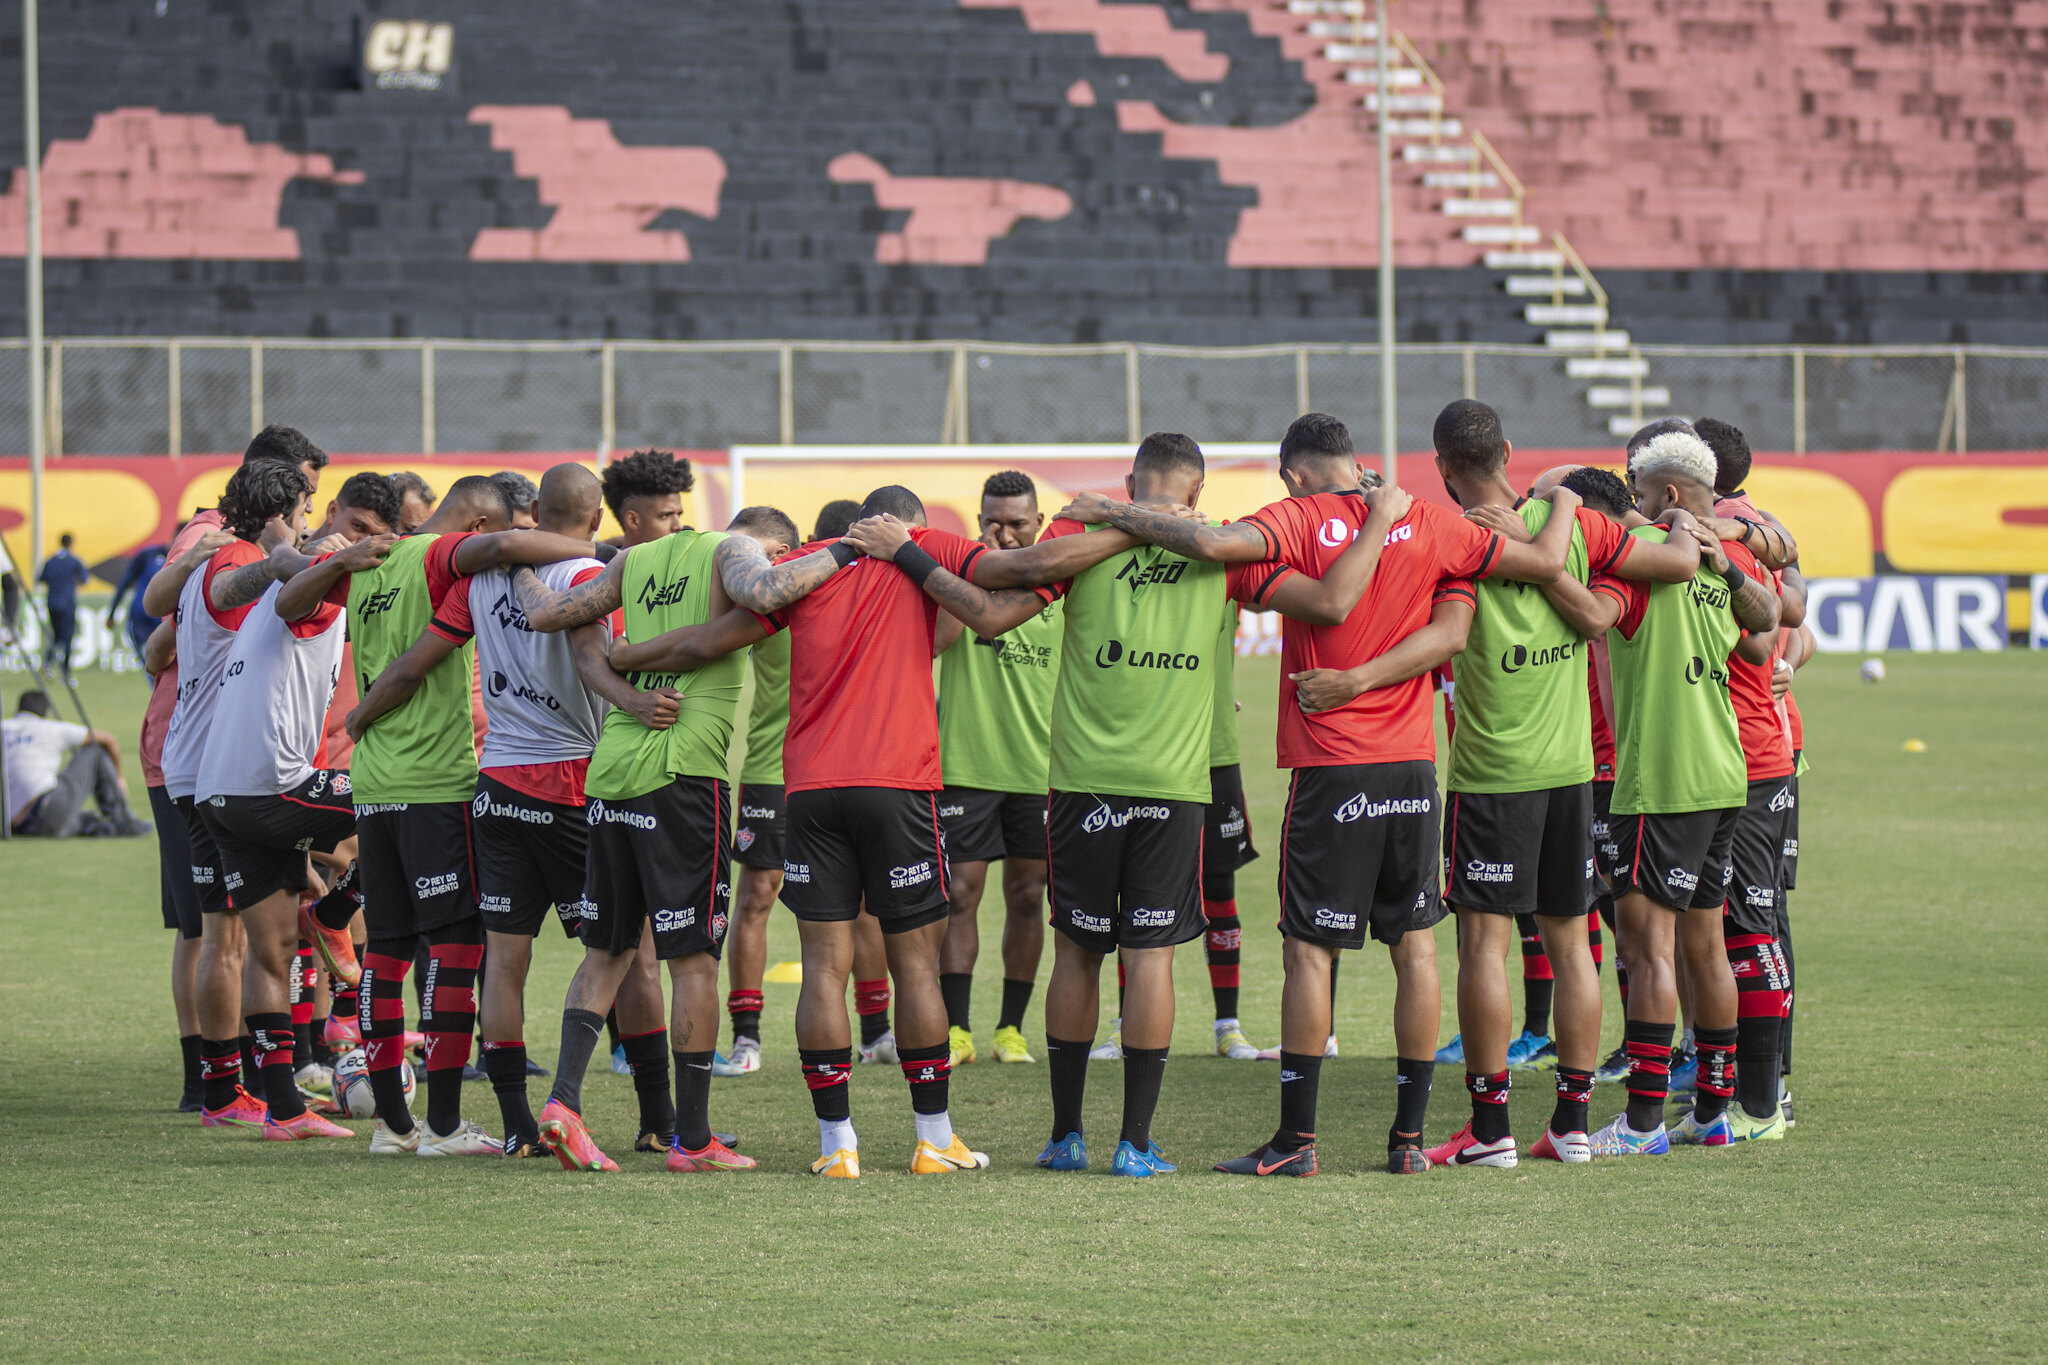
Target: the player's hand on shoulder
pixel 1177 509
pixel 1563 499
pixel 1320 689
pixel 1501 521
pixel 1390 501
pixel 275 533
pixel 657 709
pixel 366 553
pixel 1086 508
pixel 326 545
pixel 880 536
pixel 1712 555
pixel 210 540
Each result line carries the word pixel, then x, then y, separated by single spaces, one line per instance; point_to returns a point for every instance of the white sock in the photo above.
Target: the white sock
pixel 1225 1025
pixel 937 1129
pixel 836 1135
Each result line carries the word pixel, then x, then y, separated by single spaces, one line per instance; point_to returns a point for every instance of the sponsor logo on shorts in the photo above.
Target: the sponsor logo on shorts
pixel 234 882
pixel 1478 870
pixel 217 802
pixel 1599 828
pixel 1232 825
pixel 317 788
pixel 1759 897
pixel 951 812
pixel 585 909
pixel 1102 817
pixel 501 905
pixel 445 884
pixel 744 839
pixel 1591 870
pixel 757 812
pixel 483 805
pixel 900 877
pixel 1790 850
pixel 1364 807
pixel 1784 800
pixel 669 919
pixel 1327 918
pixel 202 876
pixel 598 813
pixel 797 872
pixel 1678 879
pixel 385 808
pixel 304 844
pixel 1088 924
pixel 1152 919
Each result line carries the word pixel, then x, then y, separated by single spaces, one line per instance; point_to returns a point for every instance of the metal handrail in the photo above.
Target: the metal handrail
pixel 1436 118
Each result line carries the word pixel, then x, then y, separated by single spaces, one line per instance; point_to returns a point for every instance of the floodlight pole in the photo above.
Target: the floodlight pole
pixel 31 168
pixel 1387 437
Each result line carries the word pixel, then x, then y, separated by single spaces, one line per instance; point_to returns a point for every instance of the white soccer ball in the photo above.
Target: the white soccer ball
pixel 1873 670
pixel 352 1084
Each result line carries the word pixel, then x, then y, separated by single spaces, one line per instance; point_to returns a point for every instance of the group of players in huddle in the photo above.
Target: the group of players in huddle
pixel 399 741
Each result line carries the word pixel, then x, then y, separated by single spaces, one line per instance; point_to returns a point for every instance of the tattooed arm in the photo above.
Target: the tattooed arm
pixel 160 597
pixel 242 586
pixel 754 583
pixel 1238 543
pixel 578 605
pixel 688 648
pixel 986 613
pixel 306 589
pixel 1049 561
pixel 1754 602
pixel 1326 601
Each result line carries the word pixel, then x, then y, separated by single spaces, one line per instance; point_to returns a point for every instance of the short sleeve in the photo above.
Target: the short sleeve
pixel 337 594
pixel 454 614
pixel 1453 590
pixel 1740 557
pixel 319 623
pixel 1254 584
pixel 1608 546
pixel 1273 521
pixel 616 622
pixel 1632 597
pixel 226 560
pixel 1062 526
pixel 1464 549
pixel 440 566
pixel 955 553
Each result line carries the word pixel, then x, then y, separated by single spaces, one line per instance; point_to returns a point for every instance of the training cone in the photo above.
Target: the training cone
pixel 1915 746
pixel 785 974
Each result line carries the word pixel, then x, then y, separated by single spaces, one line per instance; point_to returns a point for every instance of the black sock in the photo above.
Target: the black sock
pixel 188 1048
pixel 957 988
pixel 745 1009
pixel 271 1034
pixel 930 1076
pixel 1300 1073
pixel 1144 1068
pixel 302 1042
pixel 1536 994
pixel 1226 1001
pixel 1574 1094
pixel 444 1100
pixel 1649 1074
pixel 252 1072
pixel 825 1072
pixel 580 1030
pixel 337 909
pixel 220 1071
pixel 1489 1104
pixel 693 1100
pixel 1016 998
pixel 1716 1082
pixel 505 1064
pixel 1412 1080
pixel 380 1013
pixel 1066 1062
pixel 647 1054
pixel 872 1027
pixel 1757 1056
pixel 322 1053
pixel 611 1029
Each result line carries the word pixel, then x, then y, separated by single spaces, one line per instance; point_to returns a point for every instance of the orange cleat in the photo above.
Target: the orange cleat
pixel 715 1156
pixel 306 1125
pixel 562 1129
pixel 337 951
pixel 244 1111
pixel 342 1034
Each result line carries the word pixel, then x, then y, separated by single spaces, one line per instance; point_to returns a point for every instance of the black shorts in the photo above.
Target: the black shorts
pixel 1679 861
pixel 1756 860
pixel 1226 834
pixel 983 826
pixel 1605 850
pixel 878 848
pixel 1124 871
pixel 660 856
pixel 529 856
pixel 763 826
pixel 416 865
pixel 1358 850
pixel 174 865
pixel 263 839
pixel 209 883
pixel 1520 853
pixel 1791 845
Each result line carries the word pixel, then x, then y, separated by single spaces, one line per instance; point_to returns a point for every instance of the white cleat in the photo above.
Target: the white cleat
pixel 745 1059
pixel 384 1142
pixel 883 1053
pixel 1231 1042
pixel 468 1140
pixel 1113 1049
pixel 1330 1047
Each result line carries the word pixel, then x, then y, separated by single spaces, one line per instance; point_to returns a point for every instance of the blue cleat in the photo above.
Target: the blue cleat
pixel 620 1066
pixel 1069 1153
pixel 1685 1077
pixel 1523 1051
pixel 1618 1139
pixel 1132 1162
pixel 1690 1132
pixel 1614 1069
pixel 1453 1051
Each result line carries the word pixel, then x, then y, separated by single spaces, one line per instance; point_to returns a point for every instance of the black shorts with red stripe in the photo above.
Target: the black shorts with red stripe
pixel 660 857
pixel 879 847
pixel 1124 871
pixel 263 840
pixel 1358 853
pixel 1679 860
pixel 417 866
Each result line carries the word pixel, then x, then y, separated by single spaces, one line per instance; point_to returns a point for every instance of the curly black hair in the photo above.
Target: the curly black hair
pixel 287 445
pixel 1602 489
pixel 1731 453
pixel 260 490
pixel 645 474
pixel 1314 435
pixel 519 490
pixel 1469 439
pixel 1011 483
pixel 834 518
pixel 373 493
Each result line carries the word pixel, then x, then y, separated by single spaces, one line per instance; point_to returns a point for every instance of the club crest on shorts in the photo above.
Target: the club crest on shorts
pixel 744 839
pixel 480 807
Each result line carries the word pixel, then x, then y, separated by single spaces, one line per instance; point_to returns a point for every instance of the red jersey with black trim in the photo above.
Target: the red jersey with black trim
pixel 1603 730
pixel 1426 547
pixel 862 712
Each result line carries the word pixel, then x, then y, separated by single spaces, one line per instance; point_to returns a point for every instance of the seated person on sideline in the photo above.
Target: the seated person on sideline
pixel 48 784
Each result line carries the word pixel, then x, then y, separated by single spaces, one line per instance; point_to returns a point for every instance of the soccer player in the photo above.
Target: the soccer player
pixel 142 566
pixel 265 803
pixel 995 736
pixel 1359 846
pixel 415 501
pixel 414 775
pixel 660 810
pixel 1226 847
pixel 1680 781
pixel 64 573
pixel 1518 837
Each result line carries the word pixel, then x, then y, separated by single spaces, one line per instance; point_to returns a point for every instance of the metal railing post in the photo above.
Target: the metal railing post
pixel 255 388
pixel 427 421
pixel 1134 413
pixel 1799 401
pixel 1471 359
pixel 607 401
pixel 785 402
pixel 53 401
pixel 175 397
pixel 1962 407
pixel 1300 380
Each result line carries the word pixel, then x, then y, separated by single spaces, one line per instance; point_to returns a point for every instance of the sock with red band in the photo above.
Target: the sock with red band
pixel 930 1075
pixel 220 1071
pixel 252 1073
pixel 1760 984
pixel 1300 1075
pixel 745 1009
pixel 957 990
pixel 825 1073
pixel 1537 981
pixel 1574 1095
pixel 1649 1074
pixel 1594 943
pixel 1223 947
pixel 338 907
pixel 1066 1064
pixel 448 1017
pixel 647 1055
pixel 1489 1105
pixel 871 1004
pixel 301 998
pixel 342 999
pixel 505 1064
pixel 272 1036
pixel 692 1121
pixel 381 1016
pixel 1716 1048
pixel 1016 999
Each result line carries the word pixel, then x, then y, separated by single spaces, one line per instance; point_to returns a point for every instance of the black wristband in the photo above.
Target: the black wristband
pixel 842 552
pixel 916 563
pixel 1734 578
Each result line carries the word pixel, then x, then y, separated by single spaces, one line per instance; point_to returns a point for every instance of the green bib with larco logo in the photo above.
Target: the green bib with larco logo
pixel 1676 746
pixel 667 586
pixel 425 750
pixel 1136 693
pixel 1525 720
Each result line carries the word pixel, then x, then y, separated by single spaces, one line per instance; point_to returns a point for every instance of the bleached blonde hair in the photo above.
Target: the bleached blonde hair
pixel 1674 453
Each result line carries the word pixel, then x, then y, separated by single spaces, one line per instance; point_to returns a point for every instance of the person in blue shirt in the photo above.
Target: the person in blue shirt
pixel 64 573
pixel 142 566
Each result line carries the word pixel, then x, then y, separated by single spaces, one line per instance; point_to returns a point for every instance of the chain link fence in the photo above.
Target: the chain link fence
pixel 200 396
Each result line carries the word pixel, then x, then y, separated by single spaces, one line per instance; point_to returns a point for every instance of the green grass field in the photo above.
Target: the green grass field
pixel 1902 1220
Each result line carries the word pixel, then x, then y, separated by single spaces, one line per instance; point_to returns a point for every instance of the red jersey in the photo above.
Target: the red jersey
pixel 336 748
pixel 1597 677
pixel 1795 723
pixel 861 707
pixel 1426 547
pixel 163 689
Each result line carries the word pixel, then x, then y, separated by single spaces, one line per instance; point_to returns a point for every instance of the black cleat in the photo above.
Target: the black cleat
pixel 661 1142
pixel 526 1145
pixel 1299 1162
pixel 1405 1155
